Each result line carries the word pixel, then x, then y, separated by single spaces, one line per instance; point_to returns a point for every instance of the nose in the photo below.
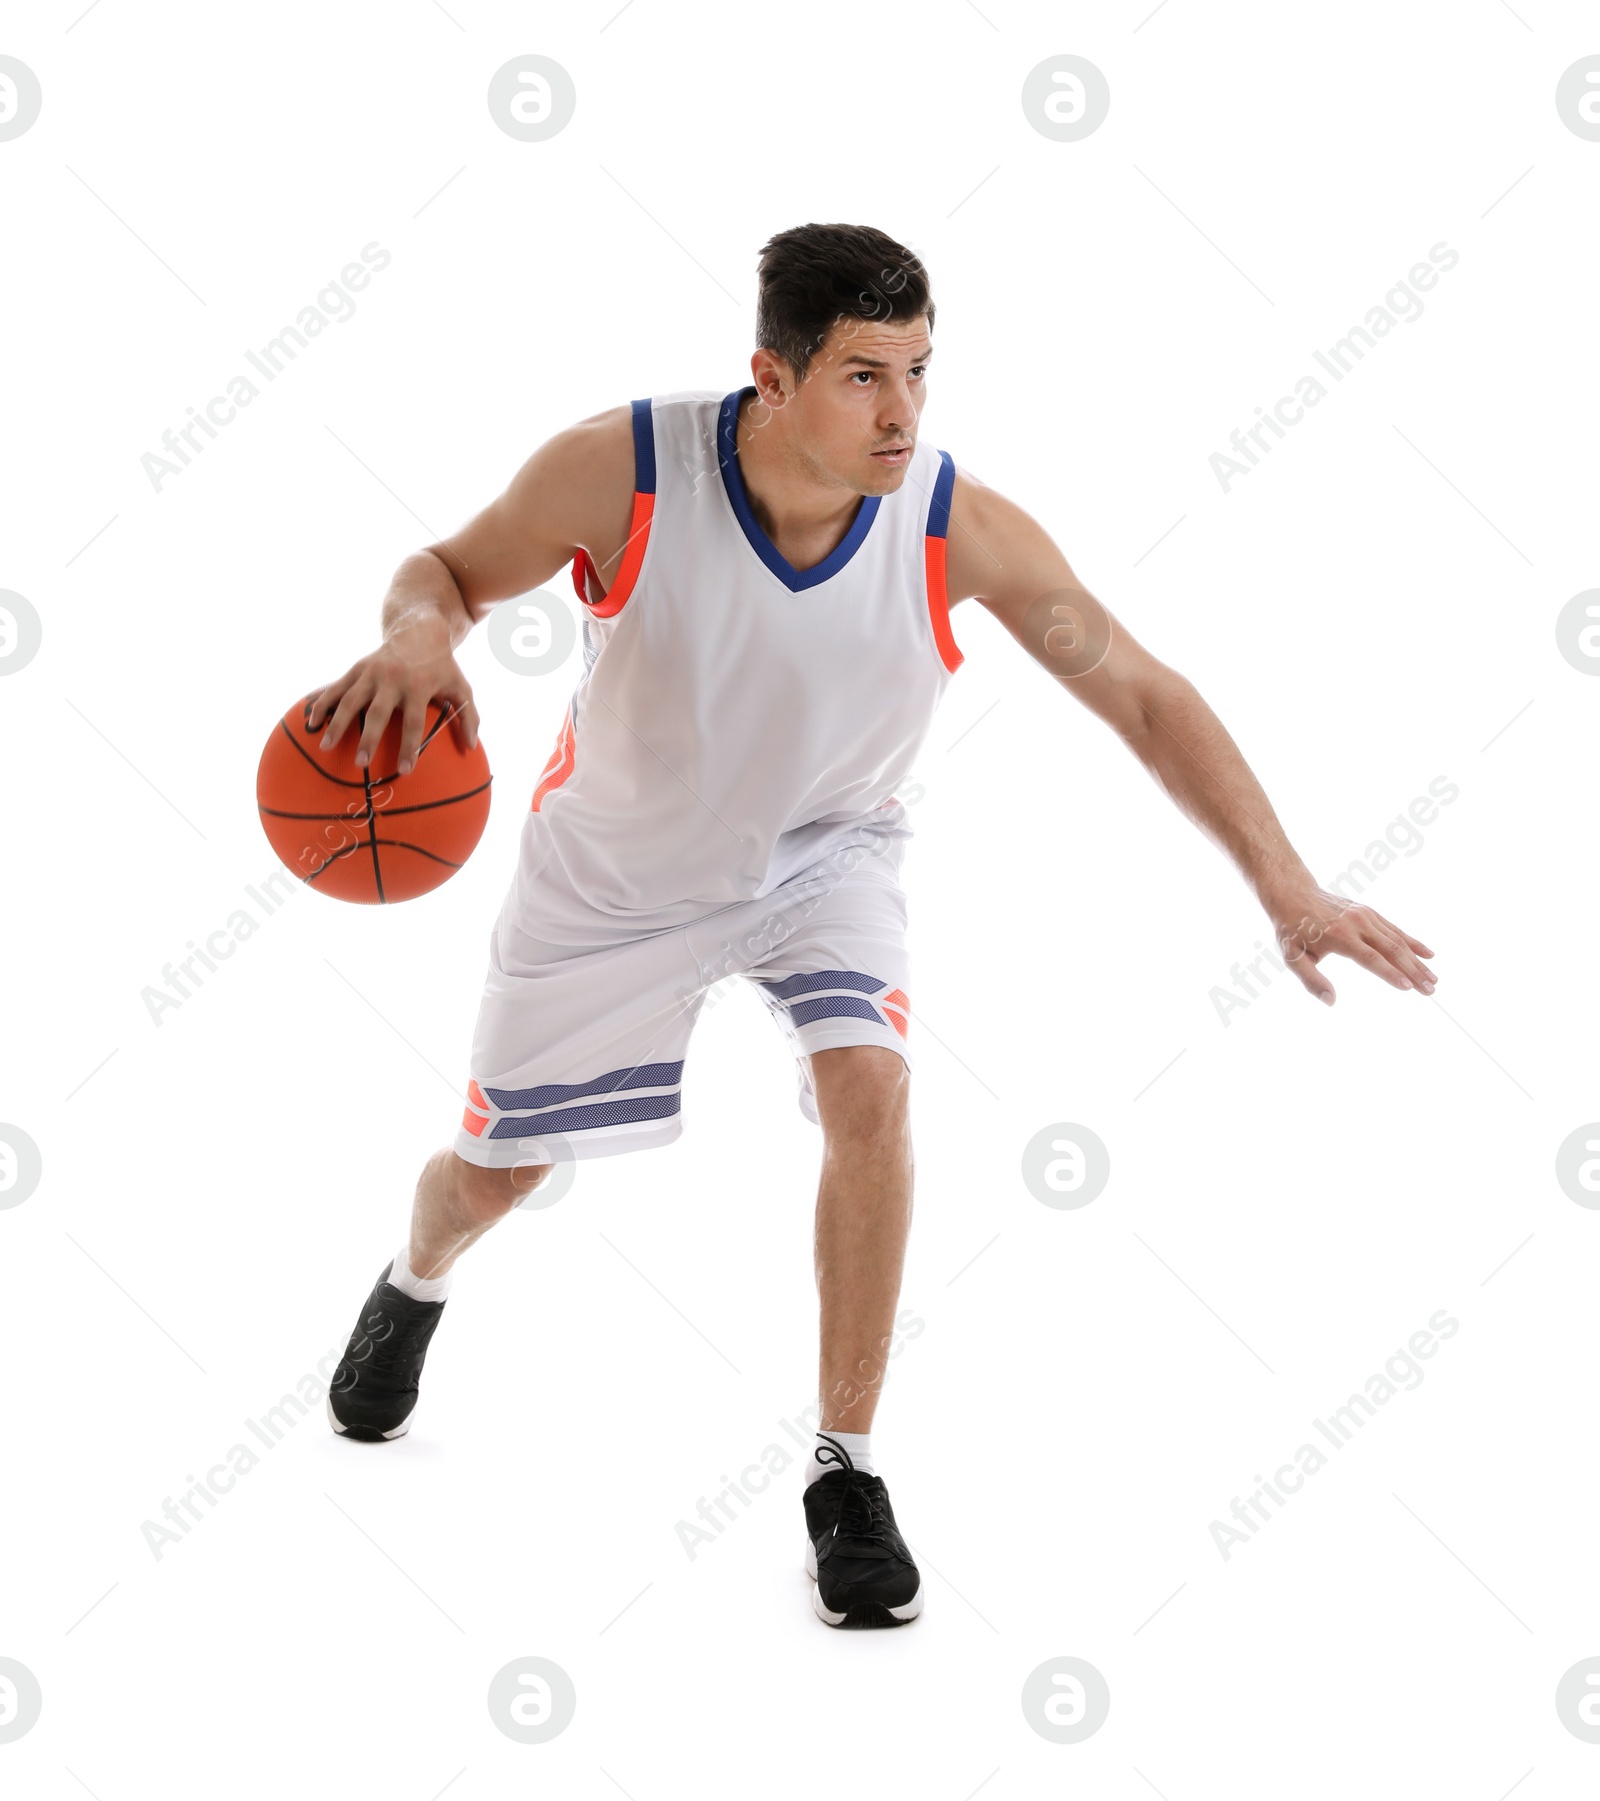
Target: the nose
pixel 897 411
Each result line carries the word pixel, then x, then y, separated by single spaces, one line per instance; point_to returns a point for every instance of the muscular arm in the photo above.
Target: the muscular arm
pixel 576 489
pixel 1001 556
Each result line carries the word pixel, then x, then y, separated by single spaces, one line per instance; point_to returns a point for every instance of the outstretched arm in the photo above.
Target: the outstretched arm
pixel 1003 557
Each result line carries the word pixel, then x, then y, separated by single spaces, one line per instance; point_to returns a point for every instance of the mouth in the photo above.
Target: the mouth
pixel 893 458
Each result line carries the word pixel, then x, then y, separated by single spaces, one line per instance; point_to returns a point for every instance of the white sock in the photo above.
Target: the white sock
pixel 403 1277
pixel 858 1446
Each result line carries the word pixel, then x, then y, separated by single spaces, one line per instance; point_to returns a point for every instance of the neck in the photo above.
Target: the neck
pixel 795 503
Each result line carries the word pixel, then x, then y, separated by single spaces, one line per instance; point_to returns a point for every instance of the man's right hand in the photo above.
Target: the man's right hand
pixel 411 668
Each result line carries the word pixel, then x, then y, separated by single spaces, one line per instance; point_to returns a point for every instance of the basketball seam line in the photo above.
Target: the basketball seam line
pixel 283 725
pixel 420 806
pixel 388 844
pixel 372 839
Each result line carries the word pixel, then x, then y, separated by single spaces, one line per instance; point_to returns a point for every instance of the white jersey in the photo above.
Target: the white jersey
pixel 737 719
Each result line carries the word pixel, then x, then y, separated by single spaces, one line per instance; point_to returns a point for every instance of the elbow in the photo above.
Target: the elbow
pixel 1154 707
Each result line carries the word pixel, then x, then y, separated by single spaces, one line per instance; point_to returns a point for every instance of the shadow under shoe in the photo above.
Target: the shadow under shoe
pixel 862 1567
pixel 374 1390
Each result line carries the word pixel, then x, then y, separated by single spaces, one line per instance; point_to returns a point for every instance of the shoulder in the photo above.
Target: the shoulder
pixel 599 448
pixel 996 549
pixel 583 475
pixel 614 447
pixel 976 524
pixel 971 501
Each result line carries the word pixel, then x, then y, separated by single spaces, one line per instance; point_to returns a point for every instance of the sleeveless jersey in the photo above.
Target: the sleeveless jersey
pixel 737 720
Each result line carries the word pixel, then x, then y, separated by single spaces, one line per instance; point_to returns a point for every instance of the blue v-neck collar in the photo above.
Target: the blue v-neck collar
pixel 733 481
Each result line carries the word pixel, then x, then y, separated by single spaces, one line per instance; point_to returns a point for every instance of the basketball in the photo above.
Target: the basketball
pixel 371 834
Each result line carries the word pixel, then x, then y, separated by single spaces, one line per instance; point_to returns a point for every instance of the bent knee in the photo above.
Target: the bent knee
pixel 860 1087
pixel 854 1068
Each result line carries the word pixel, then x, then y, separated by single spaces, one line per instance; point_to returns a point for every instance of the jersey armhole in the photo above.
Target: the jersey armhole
pixel 934 563
pixel 644 504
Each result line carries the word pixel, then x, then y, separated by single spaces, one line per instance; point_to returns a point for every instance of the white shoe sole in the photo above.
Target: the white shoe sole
pixel 344 1431
pixel 908 1611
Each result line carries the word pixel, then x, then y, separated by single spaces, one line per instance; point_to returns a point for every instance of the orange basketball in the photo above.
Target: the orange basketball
pixel 371 834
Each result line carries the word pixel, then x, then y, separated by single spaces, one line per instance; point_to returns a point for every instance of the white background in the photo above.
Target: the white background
pixel 1292 1194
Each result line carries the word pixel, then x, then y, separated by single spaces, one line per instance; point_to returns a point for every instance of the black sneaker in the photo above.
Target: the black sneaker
pixel 374 1390
pixel 854 1551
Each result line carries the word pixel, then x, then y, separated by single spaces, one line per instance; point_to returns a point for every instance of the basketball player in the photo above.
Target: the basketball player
pixel 766 578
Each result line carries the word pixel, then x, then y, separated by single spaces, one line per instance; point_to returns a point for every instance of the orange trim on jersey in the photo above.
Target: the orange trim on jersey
pixel 474 1122
pixel 559 767
pixel 582 568
pixel 939 604
pixel 475 1096
pixel 892 1005
pixel 644 506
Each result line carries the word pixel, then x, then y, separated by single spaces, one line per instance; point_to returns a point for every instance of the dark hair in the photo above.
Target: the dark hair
pixel 812 275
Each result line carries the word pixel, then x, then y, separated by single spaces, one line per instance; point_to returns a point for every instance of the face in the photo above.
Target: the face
pixel 853 419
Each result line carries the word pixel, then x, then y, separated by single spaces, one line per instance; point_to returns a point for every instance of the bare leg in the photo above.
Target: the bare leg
pixel 863 1220
pixel 457 1202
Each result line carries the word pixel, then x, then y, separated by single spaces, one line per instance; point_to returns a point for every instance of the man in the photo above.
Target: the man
pixel 766 580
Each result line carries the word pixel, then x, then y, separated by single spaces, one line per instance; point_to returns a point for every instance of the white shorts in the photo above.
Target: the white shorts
pixel 580 1052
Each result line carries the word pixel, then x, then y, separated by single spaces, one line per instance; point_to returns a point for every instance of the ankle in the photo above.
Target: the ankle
pixel 856 1446
pixel 419 1288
